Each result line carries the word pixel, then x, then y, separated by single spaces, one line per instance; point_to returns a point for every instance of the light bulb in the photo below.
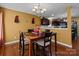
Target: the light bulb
pixel 33 9
pixel 36 7
pixel 44 9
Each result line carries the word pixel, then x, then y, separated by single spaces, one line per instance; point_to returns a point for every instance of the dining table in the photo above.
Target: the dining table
pixel 32 37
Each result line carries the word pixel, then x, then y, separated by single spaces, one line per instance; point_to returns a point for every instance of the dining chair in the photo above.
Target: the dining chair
pixel 45 42
pixel 22 43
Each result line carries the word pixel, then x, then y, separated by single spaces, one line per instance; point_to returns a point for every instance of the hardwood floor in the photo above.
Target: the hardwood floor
pixel 13 50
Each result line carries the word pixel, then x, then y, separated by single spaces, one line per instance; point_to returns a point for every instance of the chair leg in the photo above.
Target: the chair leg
pixel 20 46
pixel 44 51
pixel 36 49
pixel 50 51
pixel 33 49
pixel 23 51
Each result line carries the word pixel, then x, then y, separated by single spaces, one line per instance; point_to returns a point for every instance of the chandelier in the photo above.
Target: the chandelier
pixel 38 10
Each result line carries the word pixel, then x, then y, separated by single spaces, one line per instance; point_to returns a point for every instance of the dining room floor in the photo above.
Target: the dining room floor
pixel 13 50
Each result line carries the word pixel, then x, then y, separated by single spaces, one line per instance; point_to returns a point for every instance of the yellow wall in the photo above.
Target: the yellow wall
pixel 12 29
pixel 63 36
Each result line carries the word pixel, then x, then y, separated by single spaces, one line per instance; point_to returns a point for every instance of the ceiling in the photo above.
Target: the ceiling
pixel 59 9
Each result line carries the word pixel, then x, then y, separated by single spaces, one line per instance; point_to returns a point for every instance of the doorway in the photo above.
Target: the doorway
pixel 1 30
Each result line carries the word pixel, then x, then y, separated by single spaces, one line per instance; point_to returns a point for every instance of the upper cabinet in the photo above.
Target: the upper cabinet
pixel 59 23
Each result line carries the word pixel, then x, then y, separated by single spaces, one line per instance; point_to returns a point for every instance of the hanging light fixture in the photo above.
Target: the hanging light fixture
pixel 38 10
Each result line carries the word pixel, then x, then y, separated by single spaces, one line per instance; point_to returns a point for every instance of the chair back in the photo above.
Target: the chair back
pixel 47 37
pixel 30 30
pixel 47 30
pixel 21 40
pixel 21 36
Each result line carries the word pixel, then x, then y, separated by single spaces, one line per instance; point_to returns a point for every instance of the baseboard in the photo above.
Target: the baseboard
pixel 52 41
pixel 63 44
pixel 12 42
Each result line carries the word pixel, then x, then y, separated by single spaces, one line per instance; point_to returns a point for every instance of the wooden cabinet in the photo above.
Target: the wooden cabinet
pixel 59 23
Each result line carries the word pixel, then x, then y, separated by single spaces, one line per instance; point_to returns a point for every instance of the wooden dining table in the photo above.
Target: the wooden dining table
pixel 37 37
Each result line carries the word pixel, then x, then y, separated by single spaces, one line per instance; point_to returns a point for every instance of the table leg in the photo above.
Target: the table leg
pixel 55 45
pixel 30 48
